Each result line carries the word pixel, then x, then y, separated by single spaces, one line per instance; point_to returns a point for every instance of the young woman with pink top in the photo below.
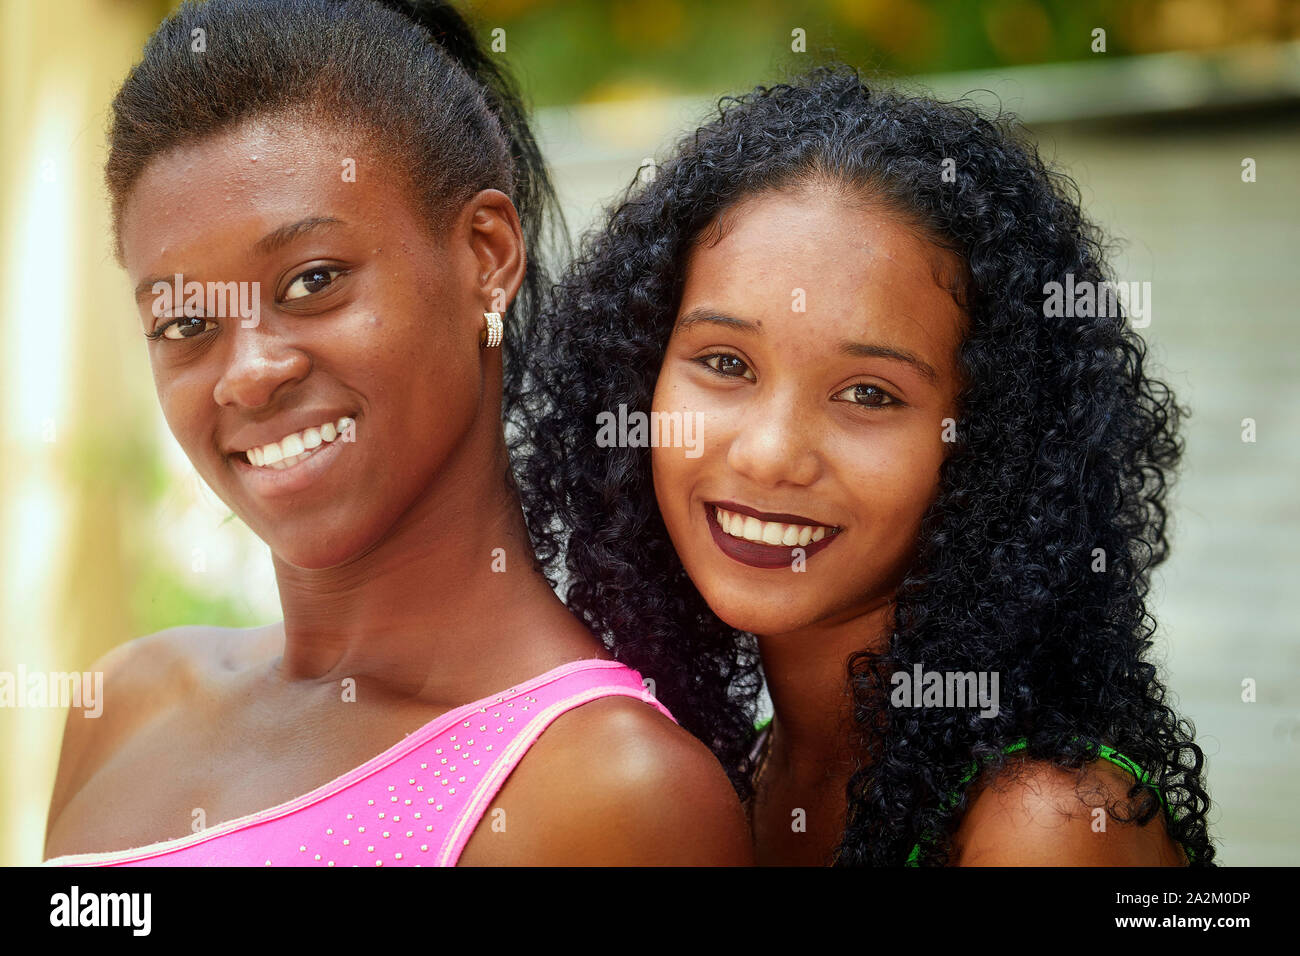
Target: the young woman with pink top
pixel 366 173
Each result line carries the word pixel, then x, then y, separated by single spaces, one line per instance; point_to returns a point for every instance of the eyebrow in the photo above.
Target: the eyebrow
pixel 286 234
pixel 273 240
pixel 702 315
pixel 864 350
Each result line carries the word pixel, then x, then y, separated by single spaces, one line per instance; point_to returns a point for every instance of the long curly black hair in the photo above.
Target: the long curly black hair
pixel 1065 449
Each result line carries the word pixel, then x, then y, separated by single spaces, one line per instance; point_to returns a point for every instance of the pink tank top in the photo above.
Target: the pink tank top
pixel 415 804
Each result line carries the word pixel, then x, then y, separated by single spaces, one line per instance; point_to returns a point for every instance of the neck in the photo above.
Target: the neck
pixel 806 672
pixel 446 607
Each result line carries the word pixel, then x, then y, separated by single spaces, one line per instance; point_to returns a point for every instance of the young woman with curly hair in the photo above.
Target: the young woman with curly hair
pixel 426 699
pixel 878 453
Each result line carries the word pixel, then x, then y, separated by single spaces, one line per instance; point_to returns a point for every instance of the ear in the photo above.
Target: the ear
pixel 497 242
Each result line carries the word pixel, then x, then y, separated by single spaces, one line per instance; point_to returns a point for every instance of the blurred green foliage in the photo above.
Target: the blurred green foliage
pixel 569 51
pixel 164 597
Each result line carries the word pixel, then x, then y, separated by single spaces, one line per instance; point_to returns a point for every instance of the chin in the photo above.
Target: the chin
pixel 761 620
pixel 310 553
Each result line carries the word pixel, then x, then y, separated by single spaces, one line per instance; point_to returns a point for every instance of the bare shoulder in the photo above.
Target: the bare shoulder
pixel 136 682
pixel 1035 813
pixel 614 782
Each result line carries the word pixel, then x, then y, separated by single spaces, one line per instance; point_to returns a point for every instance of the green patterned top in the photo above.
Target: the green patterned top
pixel 1105 753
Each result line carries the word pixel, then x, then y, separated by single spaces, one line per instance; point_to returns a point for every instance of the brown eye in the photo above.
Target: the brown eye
pixel 870 396
pixel 728 365
pixel 310 282
pixel 184 328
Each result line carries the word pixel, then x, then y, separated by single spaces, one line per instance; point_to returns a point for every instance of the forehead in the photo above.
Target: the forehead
pixel 227 190
pixel 856 269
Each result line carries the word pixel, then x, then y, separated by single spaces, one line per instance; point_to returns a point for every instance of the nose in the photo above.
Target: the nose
pixel 260 362
pixel 776 443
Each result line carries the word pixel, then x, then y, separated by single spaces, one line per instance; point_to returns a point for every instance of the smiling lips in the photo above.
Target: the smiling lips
pixel 765 540
pixel 295 463
pixel 291 449
pixel 750 528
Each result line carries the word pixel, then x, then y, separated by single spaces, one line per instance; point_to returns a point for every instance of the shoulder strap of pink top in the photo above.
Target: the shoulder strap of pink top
pixel 444 775
pixel 570 686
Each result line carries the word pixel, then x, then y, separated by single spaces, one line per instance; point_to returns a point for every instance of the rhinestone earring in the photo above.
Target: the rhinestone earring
pixel 493 330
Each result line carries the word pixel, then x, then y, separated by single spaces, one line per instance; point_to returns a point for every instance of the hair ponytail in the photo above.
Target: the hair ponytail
pixel 533 194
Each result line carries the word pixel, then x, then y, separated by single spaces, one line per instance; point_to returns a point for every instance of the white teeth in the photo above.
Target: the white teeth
pixel 289 462
pixel 291 449
pixel 768 532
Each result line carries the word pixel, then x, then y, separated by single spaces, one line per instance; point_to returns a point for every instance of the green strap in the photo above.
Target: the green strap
pixel 1104 752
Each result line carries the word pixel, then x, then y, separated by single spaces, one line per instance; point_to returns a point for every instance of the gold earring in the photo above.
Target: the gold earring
pixel 493 330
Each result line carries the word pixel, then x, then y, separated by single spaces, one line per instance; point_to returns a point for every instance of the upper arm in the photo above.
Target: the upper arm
pixel 1043 815
pixel 614 782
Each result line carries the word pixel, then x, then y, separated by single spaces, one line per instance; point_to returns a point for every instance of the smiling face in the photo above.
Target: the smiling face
pixel 363 314
pixel 818 350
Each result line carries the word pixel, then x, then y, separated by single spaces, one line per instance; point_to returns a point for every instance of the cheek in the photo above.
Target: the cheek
pixel 671 469
pixel 181 399
pixel 921 458
pixel 895 480
pixel 716 417
pixel 423 401
pixel 710 417
pixel 665 481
